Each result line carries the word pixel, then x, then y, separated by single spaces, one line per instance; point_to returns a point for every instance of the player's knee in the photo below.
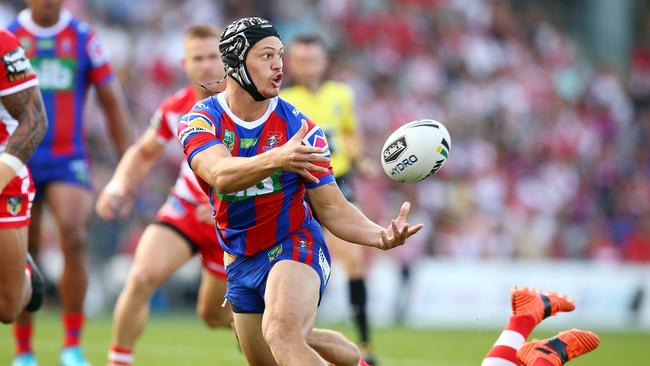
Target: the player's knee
pixel 8 311
pixel 144 280
pixel 73 239
pixel 280 333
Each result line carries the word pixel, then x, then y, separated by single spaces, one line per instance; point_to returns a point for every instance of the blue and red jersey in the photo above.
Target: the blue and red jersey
pixel 68 58
pixel 256 218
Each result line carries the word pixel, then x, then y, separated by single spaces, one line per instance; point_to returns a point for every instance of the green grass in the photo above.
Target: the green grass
pixel 180 339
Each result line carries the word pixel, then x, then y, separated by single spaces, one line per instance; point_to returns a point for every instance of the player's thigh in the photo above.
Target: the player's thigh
pixel 13 252
pixel 70 206
pixel 211 297
pixel 160 252
pixel 251 340
pixel 291 298
pixel 351 256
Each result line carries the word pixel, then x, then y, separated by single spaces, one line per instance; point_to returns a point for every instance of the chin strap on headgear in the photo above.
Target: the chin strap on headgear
pixel 235 42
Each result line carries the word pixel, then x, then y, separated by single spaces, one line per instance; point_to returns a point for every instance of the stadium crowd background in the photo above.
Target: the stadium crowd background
pixel 550 155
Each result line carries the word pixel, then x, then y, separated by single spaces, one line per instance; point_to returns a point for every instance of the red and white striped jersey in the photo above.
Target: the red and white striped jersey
pixel 165 123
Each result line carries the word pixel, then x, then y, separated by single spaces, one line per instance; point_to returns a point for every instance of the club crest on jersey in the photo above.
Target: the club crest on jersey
pixel 229 139
pixel 14 205
pixel 272 141
pixel 316 138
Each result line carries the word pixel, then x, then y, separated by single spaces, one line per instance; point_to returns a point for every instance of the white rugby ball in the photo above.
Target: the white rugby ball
pixel 416 151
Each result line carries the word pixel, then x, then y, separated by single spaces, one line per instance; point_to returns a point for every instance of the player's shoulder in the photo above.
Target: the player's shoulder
pixel 8 41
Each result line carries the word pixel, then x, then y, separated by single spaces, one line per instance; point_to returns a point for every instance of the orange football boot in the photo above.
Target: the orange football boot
pixel 560 349
pixel 539 305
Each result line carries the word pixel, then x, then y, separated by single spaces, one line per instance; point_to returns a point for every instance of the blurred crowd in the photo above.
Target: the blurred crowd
pixel 550 154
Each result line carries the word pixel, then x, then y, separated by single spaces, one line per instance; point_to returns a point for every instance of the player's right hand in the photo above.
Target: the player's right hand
pixel 298 158
pixel 113 203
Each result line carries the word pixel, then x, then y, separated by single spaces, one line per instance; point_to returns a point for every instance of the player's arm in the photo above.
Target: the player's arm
pixel 26 106
pixel 112 103
pixel 229 174
pixel 347 222
pixel 134 165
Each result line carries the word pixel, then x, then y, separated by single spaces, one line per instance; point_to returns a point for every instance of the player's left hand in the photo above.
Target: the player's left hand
pixel 398 230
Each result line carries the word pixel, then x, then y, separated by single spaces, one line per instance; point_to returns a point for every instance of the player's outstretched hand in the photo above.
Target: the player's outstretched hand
pixel 398 231
pixel 298 158
pixel 113 203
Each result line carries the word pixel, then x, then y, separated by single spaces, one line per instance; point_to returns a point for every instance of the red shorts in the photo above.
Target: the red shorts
pixel 180 216
pixel 16 201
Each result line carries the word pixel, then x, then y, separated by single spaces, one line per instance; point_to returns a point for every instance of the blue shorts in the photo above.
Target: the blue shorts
pixel 247 275
pixel 72 170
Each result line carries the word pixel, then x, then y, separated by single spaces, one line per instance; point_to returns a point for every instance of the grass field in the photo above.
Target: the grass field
pixel 180 339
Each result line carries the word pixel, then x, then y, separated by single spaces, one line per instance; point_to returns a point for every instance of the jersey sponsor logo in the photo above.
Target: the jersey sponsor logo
pixel 193 123
pixel 14 205
pixel 393 151
pixel 247 143
pixel 17 65
pixel 267 186
pixel 229 139
pixel 55 74
pixel 316 138
pixel 44 44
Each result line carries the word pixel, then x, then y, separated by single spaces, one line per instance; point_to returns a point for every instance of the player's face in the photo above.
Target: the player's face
pixel 264 63
pixel 307 63
pixel 202 62
pixel 45 10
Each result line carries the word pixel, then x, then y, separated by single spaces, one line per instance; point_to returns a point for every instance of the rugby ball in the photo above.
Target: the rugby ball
pixel 416 151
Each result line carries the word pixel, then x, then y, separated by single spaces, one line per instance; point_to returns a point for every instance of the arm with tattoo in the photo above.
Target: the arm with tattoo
pixel 26 106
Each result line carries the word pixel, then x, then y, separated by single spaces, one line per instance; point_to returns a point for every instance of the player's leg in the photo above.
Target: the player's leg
pixel 249 333
pixel 558 350
pixel 334 347
pixel 71 205
pixel 15 287
pixel 529 308
pixel 291 298
pixel 351 256
pixel 24 328
pixel 211 296
pixel 160 252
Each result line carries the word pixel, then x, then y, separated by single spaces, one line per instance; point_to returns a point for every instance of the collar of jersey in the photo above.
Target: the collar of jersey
pixel 221 98
pixel 25 19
